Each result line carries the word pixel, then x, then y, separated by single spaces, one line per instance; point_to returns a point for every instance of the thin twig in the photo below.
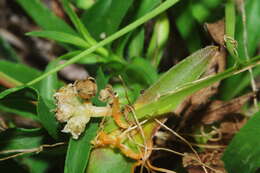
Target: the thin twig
pixel 145 156
pixel 184 140
pixel 26 151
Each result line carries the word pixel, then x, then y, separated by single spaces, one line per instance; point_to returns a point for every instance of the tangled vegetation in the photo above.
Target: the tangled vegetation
pixel 135 85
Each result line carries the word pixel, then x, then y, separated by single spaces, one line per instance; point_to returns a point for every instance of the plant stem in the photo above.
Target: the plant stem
pixel 245 46
pixel 164 6
pixel 230 21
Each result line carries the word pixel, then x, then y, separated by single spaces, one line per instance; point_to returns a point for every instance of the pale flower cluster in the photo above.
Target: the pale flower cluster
pixel 74 105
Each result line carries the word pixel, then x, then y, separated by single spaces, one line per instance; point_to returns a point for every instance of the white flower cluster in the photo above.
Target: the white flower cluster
pixel 74 105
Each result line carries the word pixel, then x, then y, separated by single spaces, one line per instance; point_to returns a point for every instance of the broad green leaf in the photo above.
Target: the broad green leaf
pixel 191 68
pixel 105 16
pixel 19 72
pixel 79 150
pixel 168 102
pixel 112 161
pixel 44 17
pixel 186 71
pixel 17 139
pixel 46 103
pixel 242 154
pixel 140 71
pixel 19 100
pixel 35 165
pixel 128 94
pixel 61 37
pixel 14 141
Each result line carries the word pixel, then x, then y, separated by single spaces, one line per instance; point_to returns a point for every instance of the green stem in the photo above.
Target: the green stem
pixel 230 22
pixel 164 6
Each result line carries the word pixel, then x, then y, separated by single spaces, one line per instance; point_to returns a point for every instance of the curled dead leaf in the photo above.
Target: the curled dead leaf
pixel 217 110
pixel 217 31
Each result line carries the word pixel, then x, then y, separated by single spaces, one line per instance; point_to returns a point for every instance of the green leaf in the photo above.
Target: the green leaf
pixel 146 6
pixel 19 101
pixel 35 165
pixel 164 6
pixel 202 10
pixel 19 72
pixel 190 69
pixel 81 28
pixel 77 22
pixel 112 161
pixel 7 52
pixel 136 45
pixel 184 72
pixel 143 7
pixel 159 38
pixel 84 4
pixel 168 102
pixel 140 71
pixel 16 139
pixel 46 102
pixel 252 8
pixel 242 154
pixel 47 20
pixel 79 150
pixel 61 37
pixel 187 25
pixel 105 16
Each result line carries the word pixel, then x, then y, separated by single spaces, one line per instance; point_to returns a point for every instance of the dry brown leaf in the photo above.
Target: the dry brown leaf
pixel 231 128
pixel 201 98
pixel 217 110
pixel 217 31
pixel 210 158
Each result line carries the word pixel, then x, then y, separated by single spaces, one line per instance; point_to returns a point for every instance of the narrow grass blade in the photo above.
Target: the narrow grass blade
pixel 61 37
pixel 44 17
pixel 80 27
pixel 164 6
pixel 104 17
